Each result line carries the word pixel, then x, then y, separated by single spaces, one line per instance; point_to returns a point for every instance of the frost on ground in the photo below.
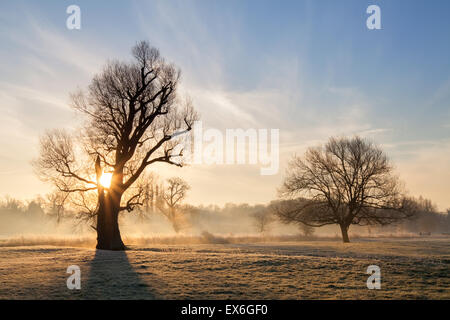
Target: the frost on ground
pixel 410 269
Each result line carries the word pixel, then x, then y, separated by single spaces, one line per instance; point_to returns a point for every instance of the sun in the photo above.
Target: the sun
pixel 105 179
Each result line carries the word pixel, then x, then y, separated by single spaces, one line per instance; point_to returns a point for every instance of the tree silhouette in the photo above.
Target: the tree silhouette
pixel 345 182
pixel 262 220
pixel 170 200
pixel 307 231
pixel 133 119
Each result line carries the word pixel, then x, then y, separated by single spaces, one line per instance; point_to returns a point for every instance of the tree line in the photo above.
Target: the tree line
pixel 20 216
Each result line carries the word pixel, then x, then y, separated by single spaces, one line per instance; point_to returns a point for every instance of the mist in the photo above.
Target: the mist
pixel 32 223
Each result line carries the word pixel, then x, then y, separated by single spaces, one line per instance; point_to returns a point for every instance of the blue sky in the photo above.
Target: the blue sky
pixel 310 68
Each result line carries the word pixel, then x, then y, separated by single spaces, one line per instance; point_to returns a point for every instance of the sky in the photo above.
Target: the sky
pixel 311 69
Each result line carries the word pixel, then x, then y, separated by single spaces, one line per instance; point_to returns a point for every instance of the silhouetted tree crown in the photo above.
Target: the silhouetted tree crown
pixel 346 181
pixel 133 118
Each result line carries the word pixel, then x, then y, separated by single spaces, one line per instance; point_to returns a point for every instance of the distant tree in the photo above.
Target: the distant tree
pixel 306 230
pixel 278 208
pixel 36 208
pixel 427 219
pixel 447 222
pixel 134 119
pixel 149 187
pixel 13 205
pixel 427 215
pixel 345 182
pixel 262 220
pixel 54 205
pixel 171 198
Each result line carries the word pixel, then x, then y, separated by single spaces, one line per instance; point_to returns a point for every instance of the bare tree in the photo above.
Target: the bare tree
pixel 171 197
pixel 345 182
pixel 54 205
pixel 262 220
pixel 426 218
pixel 149 185
pixel 134 119
pixel 306 230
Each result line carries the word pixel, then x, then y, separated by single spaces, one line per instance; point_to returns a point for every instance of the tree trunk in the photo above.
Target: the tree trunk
pixel 108 233
pixel 344 230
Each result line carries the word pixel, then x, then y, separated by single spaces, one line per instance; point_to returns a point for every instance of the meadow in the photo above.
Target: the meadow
pixel 411 268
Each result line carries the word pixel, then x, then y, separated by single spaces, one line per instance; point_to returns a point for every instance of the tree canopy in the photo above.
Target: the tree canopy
pixel 346 181
pixel 133 119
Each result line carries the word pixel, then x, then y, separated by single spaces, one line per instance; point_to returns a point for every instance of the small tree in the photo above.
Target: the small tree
pixel 306 230
pixel 345 182
pixel 262 220
pixel 172 196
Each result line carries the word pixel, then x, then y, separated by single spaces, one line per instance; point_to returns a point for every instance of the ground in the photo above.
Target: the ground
pixel 410 269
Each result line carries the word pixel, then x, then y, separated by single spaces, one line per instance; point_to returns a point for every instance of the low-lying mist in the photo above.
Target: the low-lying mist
pixel 29 224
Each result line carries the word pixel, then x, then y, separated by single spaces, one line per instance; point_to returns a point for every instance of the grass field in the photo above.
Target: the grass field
pixel 410 269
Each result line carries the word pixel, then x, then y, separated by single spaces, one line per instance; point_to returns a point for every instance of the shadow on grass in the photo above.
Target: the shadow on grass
pixel 111 276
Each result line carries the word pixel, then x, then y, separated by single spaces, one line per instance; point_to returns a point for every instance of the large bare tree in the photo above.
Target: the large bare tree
pixel 134 118
pixel 347 181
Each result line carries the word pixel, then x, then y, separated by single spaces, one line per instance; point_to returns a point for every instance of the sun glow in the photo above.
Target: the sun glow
pixel 105 179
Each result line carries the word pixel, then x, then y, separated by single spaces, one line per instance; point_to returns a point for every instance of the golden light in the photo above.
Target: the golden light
pixel 105 179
